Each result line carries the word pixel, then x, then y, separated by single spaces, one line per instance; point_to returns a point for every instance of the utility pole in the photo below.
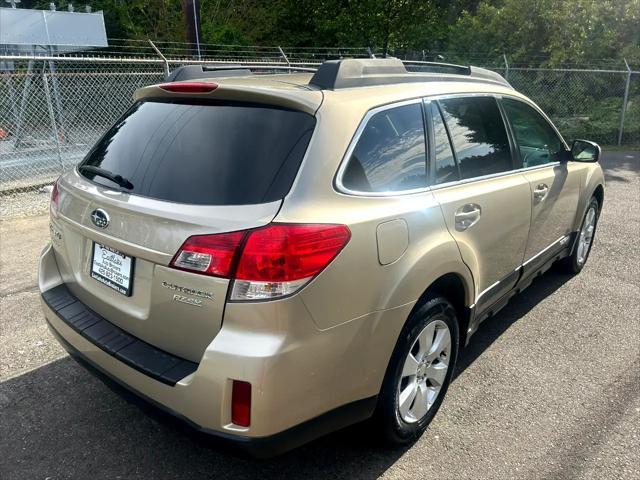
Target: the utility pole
pixel 191 20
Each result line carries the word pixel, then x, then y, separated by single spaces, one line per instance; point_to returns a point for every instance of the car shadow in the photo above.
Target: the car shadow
pixel 622 161
pixel 519 305
pixel 62 422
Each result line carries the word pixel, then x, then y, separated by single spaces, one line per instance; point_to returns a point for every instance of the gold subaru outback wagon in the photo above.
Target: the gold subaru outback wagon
pixel 270 257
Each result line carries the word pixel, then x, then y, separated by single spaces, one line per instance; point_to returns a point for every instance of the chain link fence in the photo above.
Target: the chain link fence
pixel 52 110
pixel 586 104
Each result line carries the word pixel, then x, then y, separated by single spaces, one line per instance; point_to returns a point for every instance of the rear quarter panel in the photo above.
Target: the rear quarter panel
pixel 355 283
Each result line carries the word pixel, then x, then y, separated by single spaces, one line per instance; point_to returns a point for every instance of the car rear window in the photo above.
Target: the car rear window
pixel 205 154
pixel 390 153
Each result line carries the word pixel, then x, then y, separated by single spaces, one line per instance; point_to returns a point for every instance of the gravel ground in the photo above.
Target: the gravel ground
pixel 24 204
pixel 549 388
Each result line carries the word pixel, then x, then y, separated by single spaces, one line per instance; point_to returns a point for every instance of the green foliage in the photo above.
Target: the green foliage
pixel 531 32
pixel 557 32
pixel 381 24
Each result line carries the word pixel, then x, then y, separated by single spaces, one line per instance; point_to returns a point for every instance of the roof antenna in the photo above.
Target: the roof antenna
pixel 370 52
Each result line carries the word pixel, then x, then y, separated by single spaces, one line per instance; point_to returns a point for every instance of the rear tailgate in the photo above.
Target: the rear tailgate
pixel 151 232
pixel 191 173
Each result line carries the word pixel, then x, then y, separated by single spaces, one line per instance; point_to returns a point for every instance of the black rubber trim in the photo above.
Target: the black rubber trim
pixel 145 358
pixel 259 447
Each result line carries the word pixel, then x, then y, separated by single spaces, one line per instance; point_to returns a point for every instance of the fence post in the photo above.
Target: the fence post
pixel 12 94
pixel 284 56
pixel 56 97
pixel 624 103
pixel 54 127
pixel 506 67
pixel 164 59
pixel 23 103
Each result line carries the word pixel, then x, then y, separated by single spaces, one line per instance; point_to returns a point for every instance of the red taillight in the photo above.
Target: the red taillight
pixel 241 403
pixel 267 262
pixel 54 196
pixel 189 87
pixel 284 253
pixel 209 254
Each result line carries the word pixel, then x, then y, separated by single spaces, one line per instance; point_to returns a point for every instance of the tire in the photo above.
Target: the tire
pixel 400 420
pixel 575 262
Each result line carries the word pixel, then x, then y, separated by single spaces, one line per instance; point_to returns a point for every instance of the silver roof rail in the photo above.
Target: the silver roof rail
pixel 351 72
pixel 192 72
pixel 362 72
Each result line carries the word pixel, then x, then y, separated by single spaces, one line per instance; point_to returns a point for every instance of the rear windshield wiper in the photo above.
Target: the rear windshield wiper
pixel 101 172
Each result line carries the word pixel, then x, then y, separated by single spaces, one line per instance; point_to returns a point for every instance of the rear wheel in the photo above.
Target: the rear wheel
pixel 419 372
pixel 576 261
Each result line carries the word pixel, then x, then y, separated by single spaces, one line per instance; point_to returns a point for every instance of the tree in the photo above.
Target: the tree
pixel 532 32
pixel 551 32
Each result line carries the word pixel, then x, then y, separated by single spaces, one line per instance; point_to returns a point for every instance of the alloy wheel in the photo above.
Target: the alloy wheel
pixel 586 235
pixel 424 371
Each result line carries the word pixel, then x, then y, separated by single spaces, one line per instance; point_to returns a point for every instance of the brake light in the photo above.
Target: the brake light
pixel 268 262
pixel 241 403
pixel 280 259
pixel 189 87
pixel 209 254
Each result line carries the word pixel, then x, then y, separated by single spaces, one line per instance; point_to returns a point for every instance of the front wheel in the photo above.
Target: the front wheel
pixel 419 372
pixel 576 261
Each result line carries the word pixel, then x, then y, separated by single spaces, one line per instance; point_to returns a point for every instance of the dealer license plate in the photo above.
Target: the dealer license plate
pixel 112 268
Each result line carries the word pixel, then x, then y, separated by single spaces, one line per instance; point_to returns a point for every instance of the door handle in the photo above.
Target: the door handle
pixel 466 216
pixel 540 192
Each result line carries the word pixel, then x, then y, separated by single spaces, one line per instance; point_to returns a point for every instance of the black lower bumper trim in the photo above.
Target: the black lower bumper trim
pixel 145 358
pixel 259 447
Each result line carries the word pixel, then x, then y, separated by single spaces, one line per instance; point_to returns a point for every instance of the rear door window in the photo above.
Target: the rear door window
pixel 205 154
pixel 390 153
pixel 478 135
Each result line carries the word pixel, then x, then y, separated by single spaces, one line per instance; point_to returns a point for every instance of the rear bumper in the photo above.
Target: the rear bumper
pixel 145 358
pixel 305 382
pixel 260 447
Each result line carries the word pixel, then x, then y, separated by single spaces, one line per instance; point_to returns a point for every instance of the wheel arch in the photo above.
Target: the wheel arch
pixel 596 191
pixel 457 289
pixel 454 288
pixel 599 194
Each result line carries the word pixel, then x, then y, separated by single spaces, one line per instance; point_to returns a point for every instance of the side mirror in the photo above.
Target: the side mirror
pixel 585 151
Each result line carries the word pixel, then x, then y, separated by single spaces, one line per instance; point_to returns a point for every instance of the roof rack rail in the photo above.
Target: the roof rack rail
pixel 192 72
pixel 351 72
pixel 437 67
pixel 362 72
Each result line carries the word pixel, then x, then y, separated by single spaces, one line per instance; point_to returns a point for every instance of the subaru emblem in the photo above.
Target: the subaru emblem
pixel 100 218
